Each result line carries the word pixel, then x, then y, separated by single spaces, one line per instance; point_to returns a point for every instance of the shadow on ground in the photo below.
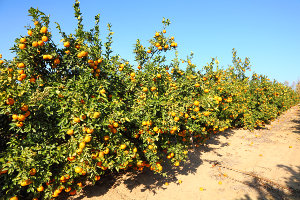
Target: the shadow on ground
pixel 268 190
pixel 150 181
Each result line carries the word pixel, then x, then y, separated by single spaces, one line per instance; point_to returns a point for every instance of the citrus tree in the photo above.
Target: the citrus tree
pixel 73 114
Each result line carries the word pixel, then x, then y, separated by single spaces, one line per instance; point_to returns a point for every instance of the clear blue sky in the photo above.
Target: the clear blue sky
pixel 267 31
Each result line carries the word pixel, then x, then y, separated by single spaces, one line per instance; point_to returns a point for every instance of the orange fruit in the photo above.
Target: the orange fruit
pixel 89 130
pixel 35 44
pixel 101 154
pixel 44 29
pixel 32 172
pixel 176 119
pixel 197 85
pixel 156 34
pixel 21 118
pixel 78 170
pixel 206 90
pixel 97 115
pixel 23 40
pixel 72 192
pixel 21 65
pixel 24 108
pixel 115 124
pixel 10 101
pixel 36 23
pixel 40 189
pixel 56 61
pixel 41 43
pixel 14 198
pixel 22 46
pixel 45 39
pixel 106 151
pixel 66 44
pixel 15 117
pixel 81 145
pixel 150 146
pixel 106 137
pixel 122 146
pixel 132 74
pixel 97 178
pixel 70 132
pixel 19 124
pixel 145 89
pixel 87 138
pixel 155 129
pixel 29 32
pixel 164 31
pixel 68 189
pixel 1 62
pixel 149 51
pixel 196 103
pixel 76 120
pixel 158 75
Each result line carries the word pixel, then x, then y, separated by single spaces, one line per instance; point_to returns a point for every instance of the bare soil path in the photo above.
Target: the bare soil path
pixel 236 164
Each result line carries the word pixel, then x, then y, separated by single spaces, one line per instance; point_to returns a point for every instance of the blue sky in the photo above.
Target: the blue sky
pixel 266 31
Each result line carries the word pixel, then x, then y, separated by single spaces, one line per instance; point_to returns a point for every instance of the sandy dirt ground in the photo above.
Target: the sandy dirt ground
pixel 236 164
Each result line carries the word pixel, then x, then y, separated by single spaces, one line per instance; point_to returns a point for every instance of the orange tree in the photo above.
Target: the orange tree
pixel 72 114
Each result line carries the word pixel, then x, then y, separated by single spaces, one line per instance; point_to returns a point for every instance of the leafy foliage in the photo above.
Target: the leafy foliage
pixel 72 114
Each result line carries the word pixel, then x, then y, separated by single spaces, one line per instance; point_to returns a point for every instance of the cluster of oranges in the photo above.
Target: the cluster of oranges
pixel 92 113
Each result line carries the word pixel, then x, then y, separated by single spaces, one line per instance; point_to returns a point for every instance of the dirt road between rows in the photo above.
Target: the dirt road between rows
pixel 233 165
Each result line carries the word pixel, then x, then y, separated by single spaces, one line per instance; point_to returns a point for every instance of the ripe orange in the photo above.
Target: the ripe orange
pixel 87 138
pixel 21 118
pixel 23 40
pixel 158 75
pixel 44 38
pixel 41 43
pixel 32 172
pixel 197 85
pixel 145 89
pixel 206 90
pixel 24 108
pixel 156 34
pixel 36 23
pixel 132 74
pixel 176 119
pixel 29 32
pixel 78 170
pixel 115 124
pixel 97 115
pixel 1 62
pixel 76 120
pixel 81 145
pixel 68 189
pixel 70 132
pixel 149 51
pixel 35 44
pixel 150 146
pixel 67 44
pixel 122 146
pixel 89 130
pixel 164 31
pixel 10 101
pixel 196 103
pixel 21 65
pixel 155 129
pixel 15 117
pixel 22 46
pixel 14 198
pixel 44 29
pixel 97 178
pixel 106 137
pixel 19 124
pixel 40 189
pixel 72 192
pixel 56 61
